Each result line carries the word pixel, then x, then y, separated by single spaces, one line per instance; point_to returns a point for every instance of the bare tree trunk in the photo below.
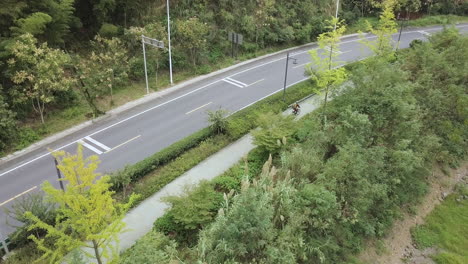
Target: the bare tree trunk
pixel 38 108
pixel 87 96
pixel 41 110
pixel 112 89
pixel 96 251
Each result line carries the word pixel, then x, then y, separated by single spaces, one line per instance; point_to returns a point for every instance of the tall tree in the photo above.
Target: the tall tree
pixel 7 124
pixel 382 46
pixel 192 36
pixel 105 68
pixel 324 68
pixel 38 73
pixel 86 212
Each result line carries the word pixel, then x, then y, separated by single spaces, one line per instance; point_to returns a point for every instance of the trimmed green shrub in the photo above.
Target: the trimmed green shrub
pixel 166 155
pixel 152 248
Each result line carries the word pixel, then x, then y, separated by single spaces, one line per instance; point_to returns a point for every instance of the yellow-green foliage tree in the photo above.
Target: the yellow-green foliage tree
pixel 324 70
pixel 382 46
pixel 38 73
pixel 88 216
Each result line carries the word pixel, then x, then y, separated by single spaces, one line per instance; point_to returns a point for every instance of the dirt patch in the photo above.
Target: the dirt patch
pixel 398 244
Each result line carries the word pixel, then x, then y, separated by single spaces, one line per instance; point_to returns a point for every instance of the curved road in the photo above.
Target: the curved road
pixel 148 128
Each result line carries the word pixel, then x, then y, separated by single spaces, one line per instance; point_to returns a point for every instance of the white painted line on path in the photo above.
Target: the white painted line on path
pixel 84 144
pixel 198 108
pixel 256 82
pixel 301 65
pixel 236 81
pixel 106 148
pixel 233 83
pixel 16 196
pixel 126 142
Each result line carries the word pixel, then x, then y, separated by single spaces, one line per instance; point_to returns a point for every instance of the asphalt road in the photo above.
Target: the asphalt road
pixel 146 129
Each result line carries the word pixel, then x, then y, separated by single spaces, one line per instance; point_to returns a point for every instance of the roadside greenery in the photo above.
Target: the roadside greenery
pixel 329 189
pixel 330 186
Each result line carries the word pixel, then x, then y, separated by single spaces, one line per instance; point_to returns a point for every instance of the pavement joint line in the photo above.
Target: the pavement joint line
pixel 90 139
pixel 126 142
pixel 367 36
pixel 233 83
pixel 198 108
pixel 236 81
pixel 261 80
pixel 84 144
pixel 17 196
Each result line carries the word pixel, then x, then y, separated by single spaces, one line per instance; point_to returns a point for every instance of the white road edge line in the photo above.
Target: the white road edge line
pixel 198 108
pixel 233 83
pixel 18 195
pixel 236 81
pixel 84 144
pixel 106 148
pixel 424 33
pixel 203 87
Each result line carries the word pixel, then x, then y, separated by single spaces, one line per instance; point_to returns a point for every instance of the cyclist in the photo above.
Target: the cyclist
pixel 296 108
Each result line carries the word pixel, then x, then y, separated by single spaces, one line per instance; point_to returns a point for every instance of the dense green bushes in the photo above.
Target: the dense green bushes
pixel 348 180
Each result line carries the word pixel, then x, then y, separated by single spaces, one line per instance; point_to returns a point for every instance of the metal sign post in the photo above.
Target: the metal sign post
pixel 236 40
pixel 169 41
pixel 158 44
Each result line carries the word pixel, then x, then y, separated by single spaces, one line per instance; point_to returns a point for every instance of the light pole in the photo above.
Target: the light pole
pixel 58 172
pixel 334 28
pixel 286 74
pixel 144 59
pixel 4 244
pixel 401 28
pixel 336 13
pixel 169 40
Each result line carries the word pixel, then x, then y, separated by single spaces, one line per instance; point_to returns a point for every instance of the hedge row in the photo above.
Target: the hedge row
pixel 164 156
